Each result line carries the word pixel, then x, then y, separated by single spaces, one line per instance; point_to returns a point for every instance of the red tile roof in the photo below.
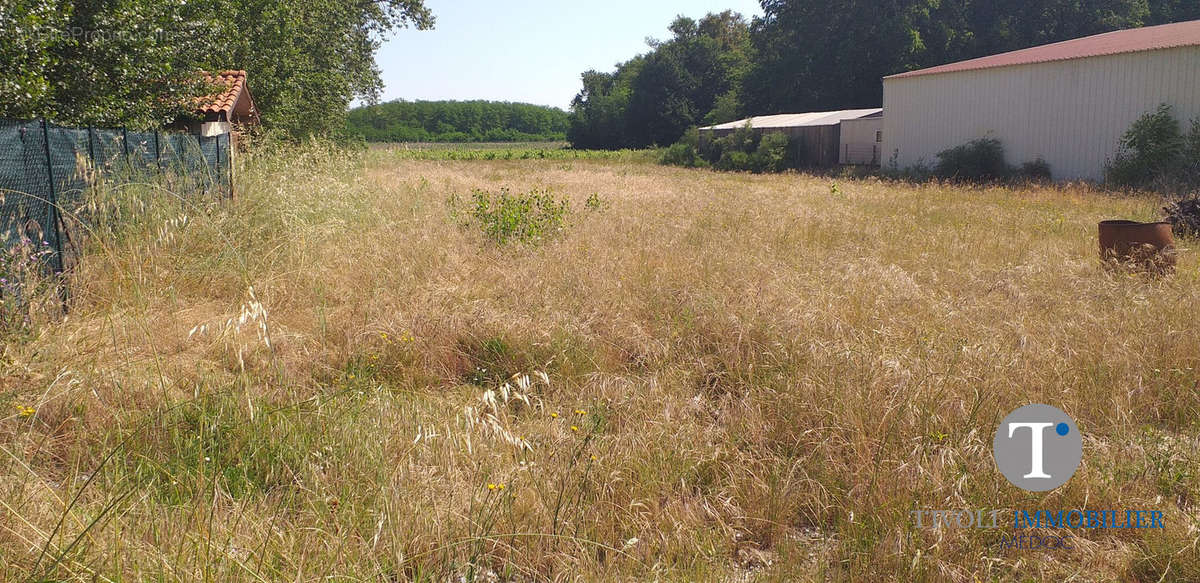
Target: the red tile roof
pixel 1166 36
pixel 228 100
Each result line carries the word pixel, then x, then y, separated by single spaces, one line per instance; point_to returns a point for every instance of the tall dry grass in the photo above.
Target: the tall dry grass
pixel 709 377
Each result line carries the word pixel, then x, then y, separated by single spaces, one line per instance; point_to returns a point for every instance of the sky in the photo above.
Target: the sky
pixel 530 51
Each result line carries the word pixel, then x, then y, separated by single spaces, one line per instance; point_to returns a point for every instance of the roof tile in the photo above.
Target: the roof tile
pixel 234 83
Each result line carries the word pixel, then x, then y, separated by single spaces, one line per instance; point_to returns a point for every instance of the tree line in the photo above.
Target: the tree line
pixel 457 121
pixel 809 55
pixel 134 63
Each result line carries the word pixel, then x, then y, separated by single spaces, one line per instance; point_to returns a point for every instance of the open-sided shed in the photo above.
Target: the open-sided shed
pixel 818 134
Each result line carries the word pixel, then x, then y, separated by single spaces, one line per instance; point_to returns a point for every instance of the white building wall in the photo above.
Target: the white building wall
pixel 858 141
pixel 1070 113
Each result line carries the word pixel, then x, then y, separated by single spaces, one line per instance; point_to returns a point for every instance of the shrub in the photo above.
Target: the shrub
pixel 771 154
pixel 977 160
pixel 595 203
pixel 1037 171
pixel 503 217
pixel 744 139
pixel 743 150
pixel 1190 172
pixel 685 152
pixel 1150 151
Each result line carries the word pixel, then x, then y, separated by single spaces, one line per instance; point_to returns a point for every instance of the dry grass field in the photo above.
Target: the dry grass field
pixel 701 377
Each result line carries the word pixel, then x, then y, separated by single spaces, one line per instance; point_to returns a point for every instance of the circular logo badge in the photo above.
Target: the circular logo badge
pixel 1038 448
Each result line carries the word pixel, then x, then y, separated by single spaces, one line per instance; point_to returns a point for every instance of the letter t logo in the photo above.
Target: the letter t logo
pixel 1035 455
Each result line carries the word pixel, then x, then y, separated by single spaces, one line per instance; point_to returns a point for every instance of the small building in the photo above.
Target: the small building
pixel 222 112
pixel 862 140
pixel 819 133
pixel 221 117
pixel 1067 103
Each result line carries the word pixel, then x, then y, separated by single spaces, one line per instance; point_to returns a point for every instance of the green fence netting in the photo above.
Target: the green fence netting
pixel 45 171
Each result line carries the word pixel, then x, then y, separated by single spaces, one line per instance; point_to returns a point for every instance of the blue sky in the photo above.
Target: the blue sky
pixel 530 51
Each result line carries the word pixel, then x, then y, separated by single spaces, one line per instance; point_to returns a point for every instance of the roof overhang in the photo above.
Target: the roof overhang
pixel 798 120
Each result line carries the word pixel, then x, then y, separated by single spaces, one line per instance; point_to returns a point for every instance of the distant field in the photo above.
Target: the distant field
pixel 696 376
pixel 508 151
pixel 468 145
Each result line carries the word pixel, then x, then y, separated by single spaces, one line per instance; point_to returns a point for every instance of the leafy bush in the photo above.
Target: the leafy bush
pixel 1149 152
pixel 772 154
pixel 685 152
pixel 743 150
pixel 503 217
pixel 1037 170
pixel 595 203
pixel 1190 171
pixel 733 160
pixel 977 160
pixel 1155 154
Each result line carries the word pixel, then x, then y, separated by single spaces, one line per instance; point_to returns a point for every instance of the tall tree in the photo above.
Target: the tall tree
pixel 306 60
pixel 135 62
pixel 831 55
pixel 598 112
pixel 654 98
pixel 1164 11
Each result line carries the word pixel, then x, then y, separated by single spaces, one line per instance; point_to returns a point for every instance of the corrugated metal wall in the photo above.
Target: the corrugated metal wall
pixel 1070 113
pixel 858 141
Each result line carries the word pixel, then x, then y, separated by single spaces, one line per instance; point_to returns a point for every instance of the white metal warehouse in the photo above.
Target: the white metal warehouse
pixel 1067 103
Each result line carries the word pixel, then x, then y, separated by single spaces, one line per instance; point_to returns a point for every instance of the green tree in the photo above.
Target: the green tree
pixel 1164 11
pixel 103 62
pixel 831 55
pixel 135 62
pixel 446 121
pixel 655 98
pixel 31 42
pixel 598 112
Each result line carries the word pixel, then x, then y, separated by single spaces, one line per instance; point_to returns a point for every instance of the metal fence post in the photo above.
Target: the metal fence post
pixel 91 148
pixel 203 157
pixel 125 148
pixel 217 166
pixel 53 215
pixel 229 143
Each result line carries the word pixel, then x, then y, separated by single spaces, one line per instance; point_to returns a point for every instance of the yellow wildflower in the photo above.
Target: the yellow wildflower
pixel 491 486
pixel 574 428
pixel 554 415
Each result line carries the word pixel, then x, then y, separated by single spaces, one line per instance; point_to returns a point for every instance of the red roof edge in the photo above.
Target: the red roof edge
pixel 236 96
pixel 1150 38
